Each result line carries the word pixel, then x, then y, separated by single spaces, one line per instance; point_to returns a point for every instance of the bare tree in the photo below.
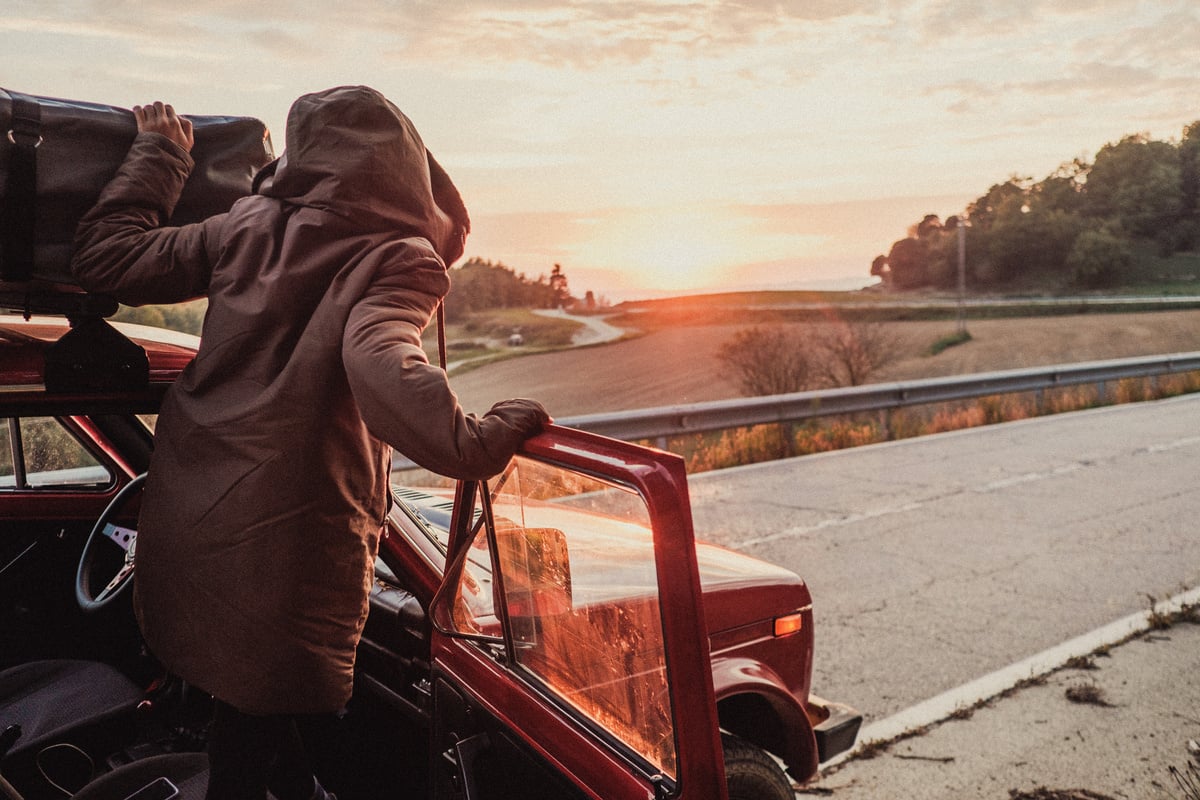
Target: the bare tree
pixel 769 360
pixel 852 351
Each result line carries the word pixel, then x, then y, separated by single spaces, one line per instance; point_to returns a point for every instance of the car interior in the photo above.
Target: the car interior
pixel 86 711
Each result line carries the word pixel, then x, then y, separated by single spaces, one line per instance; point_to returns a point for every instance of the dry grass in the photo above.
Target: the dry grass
pixel 1042 793
pixel 1188 780
pixel 1081 662
pixel 766 442
pixel 1087 694
pixel 679 364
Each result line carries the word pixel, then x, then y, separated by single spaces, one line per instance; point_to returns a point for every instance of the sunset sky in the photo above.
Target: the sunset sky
pixel 665 146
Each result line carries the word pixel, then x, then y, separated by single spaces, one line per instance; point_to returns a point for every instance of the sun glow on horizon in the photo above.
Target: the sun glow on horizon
pixel 683 248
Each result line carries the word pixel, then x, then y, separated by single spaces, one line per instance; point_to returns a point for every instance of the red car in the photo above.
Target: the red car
pixel 553 632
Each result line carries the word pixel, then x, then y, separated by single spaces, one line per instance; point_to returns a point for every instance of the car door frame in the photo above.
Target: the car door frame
pixel 584 758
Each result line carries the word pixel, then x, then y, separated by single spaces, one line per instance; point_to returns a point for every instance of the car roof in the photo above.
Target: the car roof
pixel 23 343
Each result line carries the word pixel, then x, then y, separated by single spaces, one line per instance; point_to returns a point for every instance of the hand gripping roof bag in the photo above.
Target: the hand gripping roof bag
pixel 57 155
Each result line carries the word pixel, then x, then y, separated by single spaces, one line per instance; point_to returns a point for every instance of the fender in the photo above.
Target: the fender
pixel 745 688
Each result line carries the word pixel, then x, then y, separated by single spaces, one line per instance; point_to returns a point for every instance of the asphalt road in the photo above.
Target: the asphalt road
pixel 594 331
pixel 934 562
pixel 1133 719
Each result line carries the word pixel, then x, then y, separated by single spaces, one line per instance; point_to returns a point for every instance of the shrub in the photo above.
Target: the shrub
pixel 1098 258
pixel 768 360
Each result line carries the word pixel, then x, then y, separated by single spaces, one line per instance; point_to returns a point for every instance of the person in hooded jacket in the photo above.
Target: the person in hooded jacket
pixel 268 484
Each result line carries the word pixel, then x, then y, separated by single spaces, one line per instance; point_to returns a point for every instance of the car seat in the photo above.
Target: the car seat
pixel 187 772
pixel 53 701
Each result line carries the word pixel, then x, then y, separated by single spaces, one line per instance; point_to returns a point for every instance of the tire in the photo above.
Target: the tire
pixel 751 773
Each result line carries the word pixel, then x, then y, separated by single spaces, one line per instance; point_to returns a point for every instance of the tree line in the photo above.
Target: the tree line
pixel 1082 225
pixel 481 285
pixel 475 285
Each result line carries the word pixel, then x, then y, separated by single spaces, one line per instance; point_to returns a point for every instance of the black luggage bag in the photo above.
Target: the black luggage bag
pixel 57 155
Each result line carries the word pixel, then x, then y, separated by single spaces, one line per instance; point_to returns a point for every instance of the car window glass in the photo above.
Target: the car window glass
pixel 7 474
pixel 52 456
pixel 579 588
pixel 474 606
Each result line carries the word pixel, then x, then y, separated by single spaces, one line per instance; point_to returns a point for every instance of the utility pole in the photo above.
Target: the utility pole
pixel 962 275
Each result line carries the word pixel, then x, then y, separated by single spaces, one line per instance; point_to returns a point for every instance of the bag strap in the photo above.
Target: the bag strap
pixel 441 331
pixel 18 212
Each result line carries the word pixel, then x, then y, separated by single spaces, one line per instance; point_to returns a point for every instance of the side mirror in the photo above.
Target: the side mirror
pixel 536 571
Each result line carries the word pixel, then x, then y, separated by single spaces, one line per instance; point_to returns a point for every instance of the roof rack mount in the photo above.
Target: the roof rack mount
pixel 54 299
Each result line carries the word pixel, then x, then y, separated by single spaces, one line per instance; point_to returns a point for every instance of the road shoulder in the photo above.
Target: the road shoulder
pixel 1114 725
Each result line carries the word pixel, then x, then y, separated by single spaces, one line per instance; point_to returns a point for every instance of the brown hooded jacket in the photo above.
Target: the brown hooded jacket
pixel 269 479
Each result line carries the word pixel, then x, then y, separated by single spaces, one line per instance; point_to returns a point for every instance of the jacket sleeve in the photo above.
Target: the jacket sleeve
pixel 407 402
pixel 120 249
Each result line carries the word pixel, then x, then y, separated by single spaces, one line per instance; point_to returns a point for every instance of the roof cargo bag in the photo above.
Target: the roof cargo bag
pixel 56 156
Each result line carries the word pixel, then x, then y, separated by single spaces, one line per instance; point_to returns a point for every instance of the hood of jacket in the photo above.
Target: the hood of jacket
pixel 352 153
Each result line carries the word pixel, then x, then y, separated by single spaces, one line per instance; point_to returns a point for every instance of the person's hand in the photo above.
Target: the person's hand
pixel 525 416
pixel 161 118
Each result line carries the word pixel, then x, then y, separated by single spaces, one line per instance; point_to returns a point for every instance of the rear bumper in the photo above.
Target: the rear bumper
pixel 835 726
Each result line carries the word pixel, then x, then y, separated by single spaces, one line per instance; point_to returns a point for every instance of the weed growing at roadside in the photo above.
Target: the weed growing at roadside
pixel 838 435
pixel 953 419
pixel 1081 662
pixel 1087 694
pixel 736 447
pixel 1079 693
pixel 1042 793
pixel 1157 620
pixel 1132 390
pixel 1188 781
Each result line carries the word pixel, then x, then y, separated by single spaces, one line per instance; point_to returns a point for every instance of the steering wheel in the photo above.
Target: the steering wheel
pixel 123 537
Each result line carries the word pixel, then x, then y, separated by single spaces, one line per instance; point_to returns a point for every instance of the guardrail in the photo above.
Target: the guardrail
pixel 661 422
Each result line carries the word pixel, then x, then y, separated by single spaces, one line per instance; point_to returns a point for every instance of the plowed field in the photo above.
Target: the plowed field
pixel 680 365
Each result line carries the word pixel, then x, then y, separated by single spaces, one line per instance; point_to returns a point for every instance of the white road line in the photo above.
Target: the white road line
pixel 850 519
pixel 833 522
pixel 939 708
pixel 1029 477
pixel 983 488
pixel 1175 445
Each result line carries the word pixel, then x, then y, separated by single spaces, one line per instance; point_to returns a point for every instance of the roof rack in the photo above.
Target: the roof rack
pixel 92 355
pixel 38 297
pixel 95 356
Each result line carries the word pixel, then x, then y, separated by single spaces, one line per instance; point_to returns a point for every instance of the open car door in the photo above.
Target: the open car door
pixel 570 652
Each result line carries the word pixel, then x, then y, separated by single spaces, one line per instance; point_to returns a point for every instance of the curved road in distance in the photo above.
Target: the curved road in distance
pixel 595 330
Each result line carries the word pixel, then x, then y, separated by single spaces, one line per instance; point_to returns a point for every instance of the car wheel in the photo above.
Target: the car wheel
pixel 751 773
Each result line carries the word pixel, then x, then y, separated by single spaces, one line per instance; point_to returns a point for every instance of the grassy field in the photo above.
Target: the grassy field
pixel 676 364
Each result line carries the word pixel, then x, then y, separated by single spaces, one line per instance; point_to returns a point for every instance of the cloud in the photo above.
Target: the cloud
pixel 280 43
pixel 762 108
pixel 579 36
pixel 1081 79
pixel 1168 42
pixel 73 28
pixel 987 20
